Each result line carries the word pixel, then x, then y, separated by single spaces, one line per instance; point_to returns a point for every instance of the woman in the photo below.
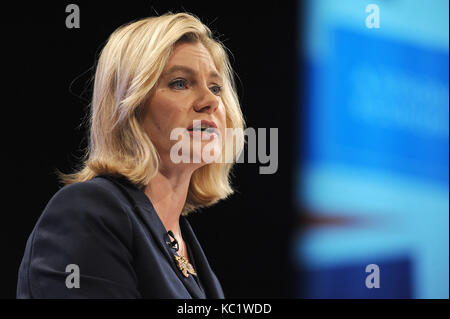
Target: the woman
pixel 117 228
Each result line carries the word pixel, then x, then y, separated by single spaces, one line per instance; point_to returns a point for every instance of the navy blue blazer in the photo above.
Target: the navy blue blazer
pixel 109 228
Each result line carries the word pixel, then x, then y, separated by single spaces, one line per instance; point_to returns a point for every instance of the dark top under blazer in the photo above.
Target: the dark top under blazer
pixel 109 228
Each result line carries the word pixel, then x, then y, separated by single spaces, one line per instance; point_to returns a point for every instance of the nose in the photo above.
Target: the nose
pixel 207 101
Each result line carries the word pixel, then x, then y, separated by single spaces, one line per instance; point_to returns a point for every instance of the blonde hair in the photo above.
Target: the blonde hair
pixel 129 66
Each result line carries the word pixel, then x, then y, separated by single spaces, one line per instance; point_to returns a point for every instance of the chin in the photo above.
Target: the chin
pixel 206 156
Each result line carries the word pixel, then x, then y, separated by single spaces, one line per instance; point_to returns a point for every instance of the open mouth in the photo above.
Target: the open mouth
pixel 203 126
pixel 203 129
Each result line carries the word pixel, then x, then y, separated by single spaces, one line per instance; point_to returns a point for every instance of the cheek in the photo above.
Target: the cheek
pixel 221 117
pixel 164 112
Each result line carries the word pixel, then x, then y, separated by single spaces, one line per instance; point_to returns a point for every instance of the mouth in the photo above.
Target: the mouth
pixel 203 126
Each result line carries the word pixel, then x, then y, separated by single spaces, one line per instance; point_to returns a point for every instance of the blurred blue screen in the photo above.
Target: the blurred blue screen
pixel 377 149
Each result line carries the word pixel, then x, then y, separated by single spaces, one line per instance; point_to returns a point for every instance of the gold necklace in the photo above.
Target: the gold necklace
pixel 184 265
pixel 182 262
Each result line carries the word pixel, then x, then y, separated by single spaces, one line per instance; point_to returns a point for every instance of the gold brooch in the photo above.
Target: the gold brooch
pixel 185 266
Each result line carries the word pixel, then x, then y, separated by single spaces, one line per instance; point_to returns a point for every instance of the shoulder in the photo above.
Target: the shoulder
pixel 89 196
pixel 84 213
pixel 96 189
pixel 96 203
pixel 86 224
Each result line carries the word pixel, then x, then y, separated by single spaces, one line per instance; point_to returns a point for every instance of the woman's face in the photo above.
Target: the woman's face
pixel 187 95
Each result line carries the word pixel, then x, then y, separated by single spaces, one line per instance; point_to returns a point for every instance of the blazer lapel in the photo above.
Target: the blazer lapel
pixel 147 213
pixel 211 284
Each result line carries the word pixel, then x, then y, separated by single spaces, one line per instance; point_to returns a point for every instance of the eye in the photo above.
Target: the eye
pixel 216 89
pixel 179 84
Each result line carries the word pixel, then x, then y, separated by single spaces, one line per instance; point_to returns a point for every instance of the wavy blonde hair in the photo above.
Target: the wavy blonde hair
pixel 129 67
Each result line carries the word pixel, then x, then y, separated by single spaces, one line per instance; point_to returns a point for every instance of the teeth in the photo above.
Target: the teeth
pixel 203 129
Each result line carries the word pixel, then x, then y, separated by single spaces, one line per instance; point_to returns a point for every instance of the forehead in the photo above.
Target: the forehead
pixel 194 55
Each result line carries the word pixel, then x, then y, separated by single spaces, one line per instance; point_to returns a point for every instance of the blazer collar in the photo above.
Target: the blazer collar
pixel 145 210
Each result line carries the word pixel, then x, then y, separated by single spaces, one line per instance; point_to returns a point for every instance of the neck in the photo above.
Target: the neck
pixel 168 191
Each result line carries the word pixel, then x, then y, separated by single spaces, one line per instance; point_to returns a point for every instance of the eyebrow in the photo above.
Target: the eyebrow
pixel 190 71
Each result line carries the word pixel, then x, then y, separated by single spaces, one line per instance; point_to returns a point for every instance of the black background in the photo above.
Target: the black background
pixel 45 94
